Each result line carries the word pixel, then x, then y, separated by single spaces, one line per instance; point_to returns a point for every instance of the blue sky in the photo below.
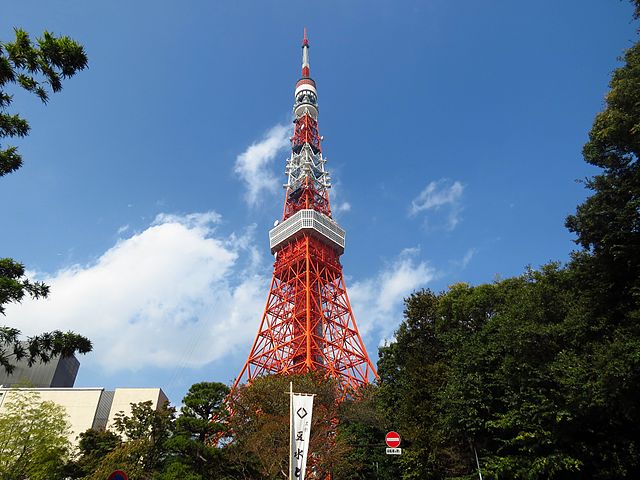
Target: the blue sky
pixel 453 131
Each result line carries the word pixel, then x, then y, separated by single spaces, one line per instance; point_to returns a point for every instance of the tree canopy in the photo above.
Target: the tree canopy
pixel 538 374
pixel 260 424
pixel 152 443
pixel 38 67
pixel 34 441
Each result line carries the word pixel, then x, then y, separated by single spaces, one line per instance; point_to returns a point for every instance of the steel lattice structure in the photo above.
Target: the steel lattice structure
pixel 308 324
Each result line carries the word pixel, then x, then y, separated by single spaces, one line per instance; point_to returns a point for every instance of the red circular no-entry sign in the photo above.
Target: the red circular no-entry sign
pixel 392 439
pixel 118 475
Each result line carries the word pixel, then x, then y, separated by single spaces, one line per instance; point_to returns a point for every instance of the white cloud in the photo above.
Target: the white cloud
pixel 176 294
pixel 123 229
pixel 467 257
pixel 179 294
pixel 252 165
pixel 378 302
pixel 338 204
pixel 440 195
pixel 343 207
pixel 203 222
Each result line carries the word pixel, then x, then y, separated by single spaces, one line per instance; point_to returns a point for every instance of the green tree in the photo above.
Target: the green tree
pixel 504 394
pixel 607 227
pixel 260 425
pixel 190 453
pixel 39 68
pixel 93 447
pixel 203 402
pixel 142 453
pixel 148 425
pixel 607 224
pixel 129 457
pixel 362 427
pixel 414 373
pixel 525 371
pixel 539 373
pixel 34 441
pixel 38 348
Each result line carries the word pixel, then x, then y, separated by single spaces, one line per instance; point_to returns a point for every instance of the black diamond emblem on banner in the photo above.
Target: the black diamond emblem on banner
pixel 301 412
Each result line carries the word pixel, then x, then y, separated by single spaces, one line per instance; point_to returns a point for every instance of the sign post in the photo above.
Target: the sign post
pixel 393 442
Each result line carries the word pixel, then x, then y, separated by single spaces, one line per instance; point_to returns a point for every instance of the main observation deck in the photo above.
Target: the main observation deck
pixel 307 221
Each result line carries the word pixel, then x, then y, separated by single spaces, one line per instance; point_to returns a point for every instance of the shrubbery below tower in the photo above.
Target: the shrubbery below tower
pixel 308 324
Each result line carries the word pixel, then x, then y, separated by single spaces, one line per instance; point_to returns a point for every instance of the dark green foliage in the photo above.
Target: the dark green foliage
pixel 97 443
pixel 37 68
pixel 524 371
pixel 203 402
pixel 260 425
pixel 361 429
pixel 413 371
pixel 139 448
pixel 93 446
pixel 636 11
pixel 40 348
pixel 539 373
pixel 154 444
pixel 414 374
pixel 502 395
pixel 189 453
pixel 607 224
pixel 33 438
pixel 14 286
pixel 151 428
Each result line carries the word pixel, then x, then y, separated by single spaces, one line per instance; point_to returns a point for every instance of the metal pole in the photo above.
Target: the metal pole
pixel 477 462
pixel 290 430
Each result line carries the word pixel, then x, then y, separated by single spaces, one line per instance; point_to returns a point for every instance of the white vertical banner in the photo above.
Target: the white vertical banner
pixel 301 410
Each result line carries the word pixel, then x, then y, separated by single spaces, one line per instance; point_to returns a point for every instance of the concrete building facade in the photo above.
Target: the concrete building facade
pixel 58 372
pixel 90 407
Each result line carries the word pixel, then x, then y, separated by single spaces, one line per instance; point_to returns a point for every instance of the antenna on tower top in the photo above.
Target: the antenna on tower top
pixel 305 55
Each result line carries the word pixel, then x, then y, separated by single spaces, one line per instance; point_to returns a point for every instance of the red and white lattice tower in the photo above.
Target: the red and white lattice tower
pixel 308 324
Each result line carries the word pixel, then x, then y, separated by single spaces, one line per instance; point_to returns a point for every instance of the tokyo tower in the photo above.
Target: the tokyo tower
pixel 307 323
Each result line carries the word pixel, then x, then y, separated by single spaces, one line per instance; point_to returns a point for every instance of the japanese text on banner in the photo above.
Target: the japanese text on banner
pixel 302 407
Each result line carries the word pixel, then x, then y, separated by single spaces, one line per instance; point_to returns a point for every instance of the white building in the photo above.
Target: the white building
pixel 91 407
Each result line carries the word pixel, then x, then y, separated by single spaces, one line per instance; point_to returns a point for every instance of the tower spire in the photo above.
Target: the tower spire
pixel 305 55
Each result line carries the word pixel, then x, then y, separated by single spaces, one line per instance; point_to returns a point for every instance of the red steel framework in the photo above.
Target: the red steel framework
pixel 308 324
